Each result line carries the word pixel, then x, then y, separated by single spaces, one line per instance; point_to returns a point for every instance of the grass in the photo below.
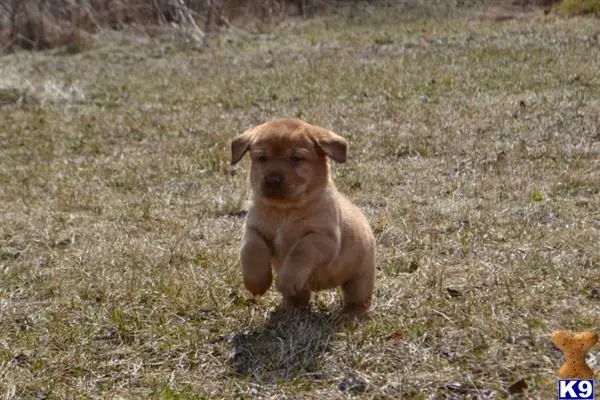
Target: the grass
pixel 475 154
pixel 575 7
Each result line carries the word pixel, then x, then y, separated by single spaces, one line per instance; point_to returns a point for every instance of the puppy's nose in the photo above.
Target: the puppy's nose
pixel 273 180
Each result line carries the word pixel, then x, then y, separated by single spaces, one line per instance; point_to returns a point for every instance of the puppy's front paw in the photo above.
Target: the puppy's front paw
pixel 258 282
pixel 288 285
pixel 300 300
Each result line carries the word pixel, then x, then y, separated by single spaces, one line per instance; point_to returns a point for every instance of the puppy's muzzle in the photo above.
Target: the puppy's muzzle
pixel 273 185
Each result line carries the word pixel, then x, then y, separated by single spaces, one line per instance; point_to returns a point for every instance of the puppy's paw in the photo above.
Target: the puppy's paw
pixel 289 286
pixel 258 284
pixel 300 301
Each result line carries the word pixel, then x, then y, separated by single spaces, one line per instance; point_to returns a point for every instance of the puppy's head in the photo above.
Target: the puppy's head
pixel 289 159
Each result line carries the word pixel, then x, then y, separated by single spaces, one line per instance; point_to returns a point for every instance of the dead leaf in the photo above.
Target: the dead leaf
pixel 454 292
pixel 501 159
pixel 519 386
pixel 381 225
pixel 356 185
pixel 397 337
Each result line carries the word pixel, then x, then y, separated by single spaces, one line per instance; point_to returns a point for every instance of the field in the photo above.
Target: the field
pixel 474 152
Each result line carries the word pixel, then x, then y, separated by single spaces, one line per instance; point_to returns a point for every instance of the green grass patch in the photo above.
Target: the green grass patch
pixel 579 7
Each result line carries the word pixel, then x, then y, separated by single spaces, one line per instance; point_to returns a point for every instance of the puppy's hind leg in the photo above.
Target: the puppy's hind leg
pixel 358 291
pixel 255 257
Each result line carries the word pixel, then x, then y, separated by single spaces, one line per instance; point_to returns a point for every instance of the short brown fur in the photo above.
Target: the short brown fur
pixel 298 223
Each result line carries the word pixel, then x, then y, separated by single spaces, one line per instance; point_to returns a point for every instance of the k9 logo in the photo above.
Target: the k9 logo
pixel 575 389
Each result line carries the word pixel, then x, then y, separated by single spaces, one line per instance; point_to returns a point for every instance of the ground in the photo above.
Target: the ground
pixel 474 153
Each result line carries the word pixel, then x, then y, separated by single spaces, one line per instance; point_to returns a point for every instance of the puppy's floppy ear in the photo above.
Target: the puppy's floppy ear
pixel 335 146
pixel 240 145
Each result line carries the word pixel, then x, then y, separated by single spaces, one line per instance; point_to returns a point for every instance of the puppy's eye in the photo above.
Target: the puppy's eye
pixel 262 157
pixel 296 158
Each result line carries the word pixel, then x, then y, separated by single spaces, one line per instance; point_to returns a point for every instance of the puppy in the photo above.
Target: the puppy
pixel 298 224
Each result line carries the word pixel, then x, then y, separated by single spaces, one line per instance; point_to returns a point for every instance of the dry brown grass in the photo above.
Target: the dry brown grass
pixel 43 24
pixel 475 153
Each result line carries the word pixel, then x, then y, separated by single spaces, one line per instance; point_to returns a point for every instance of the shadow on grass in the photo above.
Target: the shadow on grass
pixel 291 342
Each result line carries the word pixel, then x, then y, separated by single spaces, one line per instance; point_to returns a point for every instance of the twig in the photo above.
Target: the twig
pixel 4 5
pixel 207 24
pixel 160 18
pixel 13 18
pixel 187 17
pixel 442 314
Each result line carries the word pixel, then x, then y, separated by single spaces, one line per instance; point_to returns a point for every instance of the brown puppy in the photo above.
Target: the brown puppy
pixel 298 223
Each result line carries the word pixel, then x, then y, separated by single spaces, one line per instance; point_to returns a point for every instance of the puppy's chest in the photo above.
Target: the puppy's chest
pixel 283 236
